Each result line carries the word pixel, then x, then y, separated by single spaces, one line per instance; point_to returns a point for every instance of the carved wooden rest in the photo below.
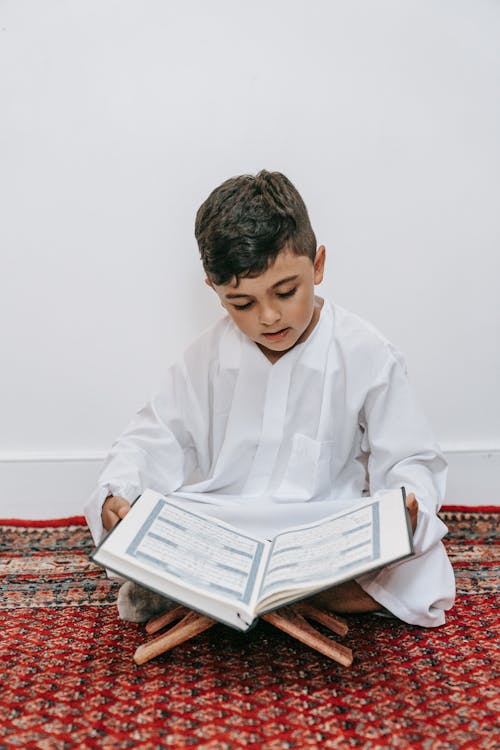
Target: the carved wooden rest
pixel 185 624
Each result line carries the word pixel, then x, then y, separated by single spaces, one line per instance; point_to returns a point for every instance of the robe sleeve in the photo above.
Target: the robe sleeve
pixel 156 451
pixel 403 452
pixel 402 449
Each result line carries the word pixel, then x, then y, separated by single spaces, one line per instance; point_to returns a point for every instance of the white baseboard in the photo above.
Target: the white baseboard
pixel 473 476
pixel 46 485
pixel 54 485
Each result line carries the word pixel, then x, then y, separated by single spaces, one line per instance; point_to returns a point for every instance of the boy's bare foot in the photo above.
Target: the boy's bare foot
pixel 346 598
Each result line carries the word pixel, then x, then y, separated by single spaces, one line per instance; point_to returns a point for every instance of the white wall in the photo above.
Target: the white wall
pixel 117 119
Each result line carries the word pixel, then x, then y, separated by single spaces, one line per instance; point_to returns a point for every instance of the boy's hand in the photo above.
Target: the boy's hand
pixel 114 509
pixel 412 505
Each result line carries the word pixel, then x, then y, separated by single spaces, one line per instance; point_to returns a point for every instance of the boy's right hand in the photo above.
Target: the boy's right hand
pixel 114 509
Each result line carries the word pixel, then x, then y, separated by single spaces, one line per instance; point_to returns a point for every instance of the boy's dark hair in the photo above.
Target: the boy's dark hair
pixel 246 221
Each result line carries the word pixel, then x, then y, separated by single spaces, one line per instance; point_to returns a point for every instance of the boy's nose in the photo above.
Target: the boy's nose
pixel 269 315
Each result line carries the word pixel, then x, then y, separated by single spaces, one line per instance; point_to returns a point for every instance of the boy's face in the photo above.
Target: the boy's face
pixel 277 309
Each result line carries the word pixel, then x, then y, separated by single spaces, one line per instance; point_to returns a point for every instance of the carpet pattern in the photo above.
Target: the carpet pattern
pixel 68 679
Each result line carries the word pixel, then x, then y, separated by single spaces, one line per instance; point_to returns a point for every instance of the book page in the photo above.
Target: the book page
pixel 323 551
pixel 201 552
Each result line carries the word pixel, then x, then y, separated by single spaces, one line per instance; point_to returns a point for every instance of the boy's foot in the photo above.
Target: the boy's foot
pixel 137 604
pixel 346 598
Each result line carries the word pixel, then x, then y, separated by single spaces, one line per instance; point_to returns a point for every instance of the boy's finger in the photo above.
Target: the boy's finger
pixel 411 501
pixel 412 505
pixel 116 503
pixel 123 509
pixel 114 509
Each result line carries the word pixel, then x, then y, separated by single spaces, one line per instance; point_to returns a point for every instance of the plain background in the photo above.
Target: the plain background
pixel 118 117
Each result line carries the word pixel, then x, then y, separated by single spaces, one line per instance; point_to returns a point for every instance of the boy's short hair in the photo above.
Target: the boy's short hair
pixel 245 222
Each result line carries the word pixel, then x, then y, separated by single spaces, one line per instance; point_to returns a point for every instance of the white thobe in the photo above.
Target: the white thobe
pixel 267 446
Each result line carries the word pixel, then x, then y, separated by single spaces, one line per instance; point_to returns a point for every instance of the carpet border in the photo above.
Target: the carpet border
pixel 41 523
pixel 469 509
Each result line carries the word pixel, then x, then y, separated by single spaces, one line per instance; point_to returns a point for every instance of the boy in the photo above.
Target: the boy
pixel 286 410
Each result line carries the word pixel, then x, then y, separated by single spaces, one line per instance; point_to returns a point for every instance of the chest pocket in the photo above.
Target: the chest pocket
pixel 308 473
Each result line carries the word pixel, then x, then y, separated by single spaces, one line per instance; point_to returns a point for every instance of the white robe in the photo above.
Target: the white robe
pixel 266 446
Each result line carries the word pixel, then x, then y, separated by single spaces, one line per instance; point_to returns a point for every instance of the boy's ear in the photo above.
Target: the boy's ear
pixel 211 285
pixel 319 264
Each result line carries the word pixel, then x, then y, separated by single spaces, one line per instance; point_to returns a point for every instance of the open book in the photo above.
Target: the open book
pixel 219 570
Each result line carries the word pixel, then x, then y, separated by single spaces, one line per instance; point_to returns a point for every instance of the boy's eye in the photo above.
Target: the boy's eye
pixel 281 295
pixel 290 293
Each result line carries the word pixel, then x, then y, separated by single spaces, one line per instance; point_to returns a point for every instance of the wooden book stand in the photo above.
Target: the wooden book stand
pixel 185 624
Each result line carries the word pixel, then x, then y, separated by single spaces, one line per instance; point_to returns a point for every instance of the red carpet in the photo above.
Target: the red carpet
pixel 68 679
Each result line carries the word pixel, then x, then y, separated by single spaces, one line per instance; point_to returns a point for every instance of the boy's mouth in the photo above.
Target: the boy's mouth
pixel 276 335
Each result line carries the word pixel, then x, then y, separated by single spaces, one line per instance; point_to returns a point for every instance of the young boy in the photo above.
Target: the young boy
pixel 286 410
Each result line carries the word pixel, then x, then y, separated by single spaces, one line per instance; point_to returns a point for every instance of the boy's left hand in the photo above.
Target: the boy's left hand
pixel 412 505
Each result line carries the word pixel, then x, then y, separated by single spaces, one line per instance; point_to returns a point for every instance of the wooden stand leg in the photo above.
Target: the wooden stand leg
pixel 333 622
pixel 190 625
pixel 291 620
pixel 167 618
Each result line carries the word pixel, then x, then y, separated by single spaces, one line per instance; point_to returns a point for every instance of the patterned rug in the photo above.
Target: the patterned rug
pixel 68 679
